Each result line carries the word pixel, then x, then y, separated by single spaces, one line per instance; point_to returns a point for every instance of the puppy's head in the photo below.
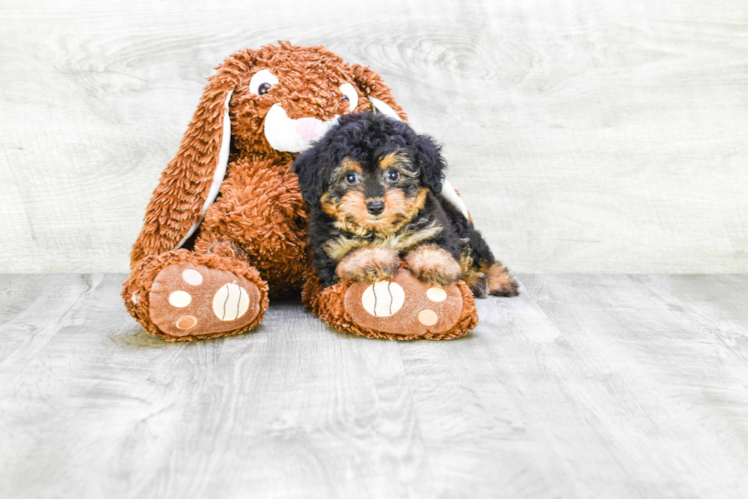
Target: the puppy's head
pixel 370 173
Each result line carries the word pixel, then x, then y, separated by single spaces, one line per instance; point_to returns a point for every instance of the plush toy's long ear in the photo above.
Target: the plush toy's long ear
pixel 191 181
pixel 370 84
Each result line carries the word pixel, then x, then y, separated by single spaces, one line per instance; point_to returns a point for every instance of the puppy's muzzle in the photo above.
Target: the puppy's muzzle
pixel 375 207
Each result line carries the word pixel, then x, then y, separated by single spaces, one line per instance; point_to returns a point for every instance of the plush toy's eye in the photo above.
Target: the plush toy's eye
pixel 349 93
pixel 393 175
pixel 351 177
pixel 262 81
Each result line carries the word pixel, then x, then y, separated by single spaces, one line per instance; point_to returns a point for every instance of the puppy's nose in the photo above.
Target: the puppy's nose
pixel 375 207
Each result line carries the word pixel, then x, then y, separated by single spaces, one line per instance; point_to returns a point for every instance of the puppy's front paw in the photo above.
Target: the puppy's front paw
pixel 433 265
pixel 369 264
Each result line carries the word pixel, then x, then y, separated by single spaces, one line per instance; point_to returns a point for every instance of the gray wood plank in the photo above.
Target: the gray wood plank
pixel 717 302
pixel 591 386
pixel 662 392
pixel 92 406
pixel 476 400
pixel 588 136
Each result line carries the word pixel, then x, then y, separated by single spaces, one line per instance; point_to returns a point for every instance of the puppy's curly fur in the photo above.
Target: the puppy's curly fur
pixel 373 188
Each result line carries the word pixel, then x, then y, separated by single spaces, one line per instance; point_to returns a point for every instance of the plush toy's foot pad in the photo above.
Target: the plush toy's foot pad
pixel 189 300
pixel 404 306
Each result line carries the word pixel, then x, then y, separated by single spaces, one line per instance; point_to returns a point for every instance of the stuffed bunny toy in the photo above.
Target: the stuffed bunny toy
pixel 226 227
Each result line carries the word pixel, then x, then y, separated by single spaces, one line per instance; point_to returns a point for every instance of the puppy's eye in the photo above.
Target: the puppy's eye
pixel 351 177
pixel 393 175
pixel 264 88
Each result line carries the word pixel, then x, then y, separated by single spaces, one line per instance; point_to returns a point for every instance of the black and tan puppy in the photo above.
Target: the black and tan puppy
pixel 374 187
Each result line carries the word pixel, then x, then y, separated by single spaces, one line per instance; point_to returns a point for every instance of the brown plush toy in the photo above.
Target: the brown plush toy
pixel 226 227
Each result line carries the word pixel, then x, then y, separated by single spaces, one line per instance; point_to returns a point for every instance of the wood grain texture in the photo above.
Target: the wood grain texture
pixel 587 136
pixel 584 386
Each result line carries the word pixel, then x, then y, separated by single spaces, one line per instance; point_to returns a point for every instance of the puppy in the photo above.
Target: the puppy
pixel 373 189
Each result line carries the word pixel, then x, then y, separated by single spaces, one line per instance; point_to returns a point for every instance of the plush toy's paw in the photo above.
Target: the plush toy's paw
pixel 500 282
pixel 369 264
pixel 190 300
pixel 405 306
pixel 433 265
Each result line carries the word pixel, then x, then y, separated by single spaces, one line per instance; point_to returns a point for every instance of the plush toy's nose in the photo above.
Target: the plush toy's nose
pixel 375 207
pixel 293 135
pixel 310 128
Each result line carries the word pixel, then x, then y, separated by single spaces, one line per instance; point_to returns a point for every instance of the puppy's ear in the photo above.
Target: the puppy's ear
pixel 310 168
pixel 430 162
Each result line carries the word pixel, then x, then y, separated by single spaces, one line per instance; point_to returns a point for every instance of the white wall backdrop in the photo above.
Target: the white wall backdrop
pixel 585 136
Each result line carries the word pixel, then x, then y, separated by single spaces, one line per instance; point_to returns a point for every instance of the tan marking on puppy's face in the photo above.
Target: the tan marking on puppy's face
pixel 392 159
pixel 400 208
pixel 349 164
pixel 329 205
pixel 351 213
pixel 353 186
pixel 405 173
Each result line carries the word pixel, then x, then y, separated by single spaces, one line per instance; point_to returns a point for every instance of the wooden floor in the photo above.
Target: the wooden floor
pixel 622 386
